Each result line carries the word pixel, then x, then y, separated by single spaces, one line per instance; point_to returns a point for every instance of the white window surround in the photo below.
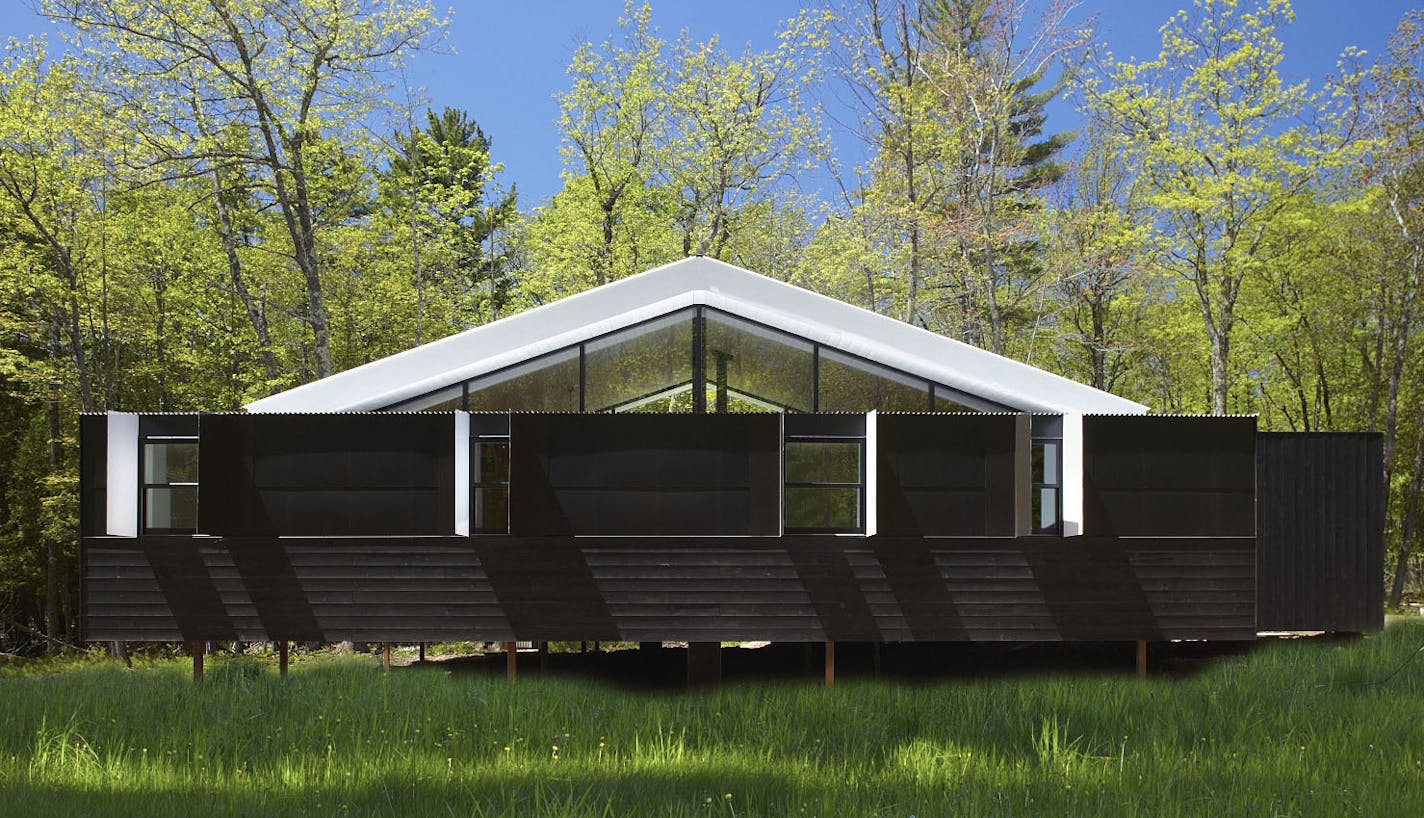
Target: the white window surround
pixel 1072 475
pixel 122 492
pixel 462 474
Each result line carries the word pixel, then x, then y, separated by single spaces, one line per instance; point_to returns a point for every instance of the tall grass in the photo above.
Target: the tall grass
pixel 1298 728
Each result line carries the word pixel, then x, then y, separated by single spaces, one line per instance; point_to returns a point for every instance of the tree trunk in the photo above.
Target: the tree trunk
pixel 53 628
pixel 1406 533
pixel 255 315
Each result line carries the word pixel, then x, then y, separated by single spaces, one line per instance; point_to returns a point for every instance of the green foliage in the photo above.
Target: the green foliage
pixel 671 151
pixel 959 157
pixel 1223 148
pixel 1295 727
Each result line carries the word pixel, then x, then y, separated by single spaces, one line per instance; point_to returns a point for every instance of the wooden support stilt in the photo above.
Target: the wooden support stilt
pixel 198 649
pixel 583 647
pixel 830 664
pixel 1142 658
pixel 282 657
pixel 704 663
pixel 385 656
pixel 543 656
pixel 422 651
pixel 511 661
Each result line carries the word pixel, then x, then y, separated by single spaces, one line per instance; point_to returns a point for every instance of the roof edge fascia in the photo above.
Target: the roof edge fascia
pixel 816 317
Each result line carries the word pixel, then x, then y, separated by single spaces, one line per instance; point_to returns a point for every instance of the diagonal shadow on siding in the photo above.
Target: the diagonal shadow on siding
pixel 1091 589
pixel 920 589
pixel 546 590
pixel 188 587
pixel 835 593
pixel 271 582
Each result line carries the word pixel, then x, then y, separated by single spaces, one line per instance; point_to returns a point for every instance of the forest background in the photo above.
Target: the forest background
pixel 203 202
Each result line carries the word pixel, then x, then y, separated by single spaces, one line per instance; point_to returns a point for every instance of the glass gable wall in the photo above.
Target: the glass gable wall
pixel 639 365
pixel 741 365
pixel 758 364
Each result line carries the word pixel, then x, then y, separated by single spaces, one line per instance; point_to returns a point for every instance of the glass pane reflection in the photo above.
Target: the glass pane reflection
pixel 649 361
pixel 547 384
pixel 823 507
pixel 448 399
pixel 170 508
pixel 822 462
pixel 170 462
pixel 744 359
pixel 851 385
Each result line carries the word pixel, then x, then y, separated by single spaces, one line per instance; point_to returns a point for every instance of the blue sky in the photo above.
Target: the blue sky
pixel 509 56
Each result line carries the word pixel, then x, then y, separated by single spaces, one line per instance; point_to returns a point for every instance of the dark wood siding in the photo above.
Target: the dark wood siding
pixel 1321 531
pixel 794 588
pixel 633 474
pixel 1169 476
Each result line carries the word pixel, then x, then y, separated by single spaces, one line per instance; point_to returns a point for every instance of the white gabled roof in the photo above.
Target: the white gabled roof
pixel 681 284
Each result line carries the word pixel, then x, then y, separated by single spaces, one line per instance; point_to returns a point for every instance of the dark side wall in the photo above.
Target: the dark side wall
pixel 1320 563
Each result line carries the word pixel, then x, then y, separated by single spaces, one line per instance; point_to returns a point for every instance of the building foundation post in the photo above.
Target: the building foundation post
pixel 198 649
pixel 704 663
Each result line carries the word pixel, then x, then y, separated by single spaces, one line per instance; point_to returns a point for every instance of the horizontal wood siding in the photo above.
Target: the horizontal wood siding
pixel 794 588
pixel 1321 530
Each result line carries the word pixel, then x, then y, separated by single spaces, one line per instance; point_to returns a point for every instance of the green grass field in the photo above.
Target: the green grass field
pixel 1297 728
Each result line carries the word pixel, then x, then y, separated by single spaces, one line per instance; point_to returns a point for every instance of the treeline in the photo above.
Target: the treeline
pixel 202 203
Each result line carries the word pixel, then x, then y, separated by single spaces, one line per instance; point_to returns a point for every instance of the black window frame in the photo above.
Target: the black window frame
pixel 144 486
pixel 859 486
pixel 476 484
pixel 1036 486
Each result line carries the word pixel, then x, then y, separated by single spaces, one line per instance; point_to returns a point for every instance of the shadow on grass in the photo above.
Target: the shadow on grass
pixel 665 670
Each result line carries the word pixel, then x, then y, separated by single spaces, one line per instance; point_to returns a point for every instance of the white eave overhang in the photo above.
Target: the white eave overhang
pixel 686 283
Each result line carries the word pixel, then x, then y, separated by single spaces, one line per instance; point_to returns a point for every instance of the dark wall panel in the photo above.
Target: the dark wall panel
pixel 798 588
pixel 330 474
pixel 1321 531
pixel 1167 476
pixel 93 474
pixel 606 474
pixel 952 475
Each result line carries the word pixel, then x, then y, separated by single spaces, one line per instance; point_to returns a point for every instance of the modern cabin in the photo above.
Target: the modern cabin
pixel 700 453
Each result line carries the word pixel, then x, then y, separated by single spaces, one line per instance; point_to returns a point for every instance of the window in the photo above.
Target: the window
pixel 491 485
pixel 754 368
pixel 825 490
pixel 1046 501
pixel 170 485
pixel 647 362
pixel 549 383
pixel 850 384
pixel 697 359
